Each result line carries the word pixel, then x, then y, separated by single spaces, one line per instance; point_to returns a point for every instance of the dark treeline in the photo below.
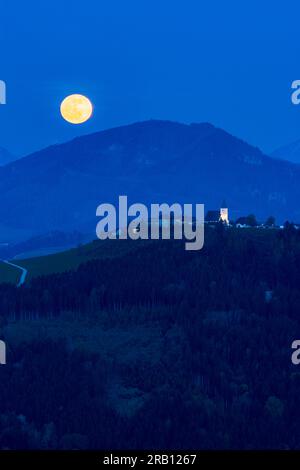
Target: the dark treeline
pixel 226 317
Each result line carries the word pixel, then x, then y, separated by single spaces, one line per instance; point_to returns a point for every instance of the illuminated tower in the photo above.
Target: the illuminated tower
pixel 224 213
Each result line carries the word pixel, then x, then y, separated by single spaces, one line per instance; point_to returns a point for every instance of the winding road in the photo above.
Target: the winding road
pixel 23 270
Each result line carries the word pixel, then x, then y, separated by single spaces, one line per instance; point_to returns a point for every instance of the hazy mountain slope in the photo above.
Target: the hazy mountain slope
pixel 6 157
pixel 155 161
pixel 289 152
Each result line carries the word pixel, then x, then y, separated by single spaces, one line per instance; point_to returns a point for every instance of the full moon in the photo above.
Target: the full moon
pixel 76 109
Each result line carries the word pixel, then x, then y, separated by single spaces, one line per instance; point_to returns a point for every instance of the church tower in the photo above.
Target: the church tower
pixel 224 217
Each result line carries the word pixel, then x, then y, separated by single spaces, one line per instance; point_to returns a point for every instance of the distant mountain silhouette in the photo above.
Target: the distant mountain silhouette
pixel 289 152
pixel 60 187
pixel 6 157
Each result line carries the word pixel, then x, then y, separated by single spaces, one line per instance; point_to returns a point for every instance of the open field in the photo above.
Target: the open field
pixel 9 273
pixel 71 259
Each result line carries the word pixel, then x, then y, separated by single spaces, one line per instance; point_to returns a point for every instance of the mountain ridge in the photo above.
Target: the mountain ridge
pixel 290 152
pixel 6 157
pixel 59 187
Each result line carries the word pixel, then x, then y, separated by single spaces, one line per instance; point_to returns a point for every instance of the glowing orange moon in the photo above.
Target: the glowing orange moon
pixel 76 109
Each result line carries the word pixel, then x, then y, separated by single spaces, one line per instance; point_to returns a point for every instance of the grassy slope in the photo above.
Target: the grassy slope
pixel 9 273
pixel 71 259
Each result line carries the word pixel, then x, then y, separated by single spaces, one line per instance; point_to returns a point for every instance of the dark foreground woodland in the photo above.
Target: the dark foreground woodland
pixel 158 348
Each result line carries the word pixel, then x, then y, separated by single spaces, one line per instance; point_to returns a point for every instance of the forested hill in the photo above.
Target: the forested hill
pixel 233 271
pixel 187 343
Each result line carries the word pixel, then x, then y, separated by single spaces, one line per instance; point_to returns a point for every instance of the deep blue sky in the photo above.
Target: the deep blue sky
pixel 227 62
